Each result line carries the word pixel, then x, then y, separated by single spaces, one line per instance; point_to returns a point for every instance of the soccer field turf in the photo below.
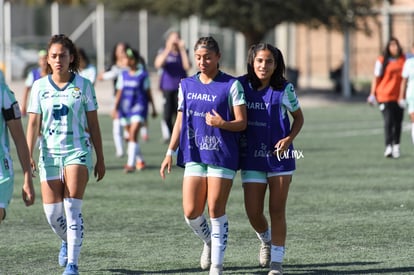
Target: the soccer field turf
pixel 350 210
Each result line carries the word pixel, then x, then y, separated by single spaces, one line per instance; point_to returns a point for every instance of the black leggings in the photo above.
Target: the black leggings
pixel 393 117
pixel 170 108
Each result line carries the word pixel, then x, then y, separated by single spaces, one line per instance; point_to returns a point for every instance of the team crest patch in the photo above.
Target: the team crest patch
pixel 76 93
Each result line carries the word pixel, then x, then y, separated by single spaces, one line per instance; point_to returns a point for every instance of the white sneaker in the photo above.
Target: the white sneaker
pixel 216 270
pixel 275 269
pixel 396 151
pixel 388 151
pixel 205 259
pixel 264 254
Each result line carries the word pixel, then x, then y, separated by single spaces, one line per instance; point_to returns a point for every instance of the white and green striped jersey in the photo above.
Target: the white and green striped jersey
pixel 64 125
pixel 6 101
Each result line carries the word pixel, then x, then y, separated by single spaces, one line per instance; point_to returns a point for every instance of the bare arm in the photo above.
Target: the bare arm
pixel 95 131
pixel 403 88
pixel 116 105
pixel 151 101
pixel 33 129
pixel 297 124
pixel 25 100
pixel 17 133
pixel 174 143
pixel 160 58
pixel 184 56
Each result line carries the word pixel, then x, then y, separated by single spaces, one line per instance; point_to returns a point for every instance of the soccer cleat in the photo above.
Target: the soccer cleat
pixel 216 270
pixel 264 254
pixel 205 259
pixel 129 169
pixel 63 254
pixel 275 269
pixel 71 269
pixel 140 165
pixel 388 151
pixel 396 151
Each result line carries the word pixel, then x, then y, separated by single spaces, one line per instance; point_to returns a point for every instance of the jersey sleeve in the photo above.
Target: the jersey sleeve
pixel 378 68
pixel 8 97
pixel 29 79
pixel 34 102
pixel 119 82
pixel 290 100
pixel 180 98
pixel 91 103
pixel 237 94
pixel 406 69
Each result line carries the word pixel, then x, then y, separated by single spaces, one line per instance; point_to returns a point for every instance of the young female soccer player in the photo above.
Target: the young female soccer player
pixel 385 90
pixel 63 108
pixel 119 61
pixel 267 154
pixel 173 62
pixel 131 106
pixel 32 76
pixel 211 112
pixel 10 121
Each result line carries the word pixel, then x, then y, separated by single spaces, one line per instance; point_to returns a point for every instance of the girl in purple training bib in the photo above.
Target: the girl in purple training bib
pixel 211 112
pixel 267 153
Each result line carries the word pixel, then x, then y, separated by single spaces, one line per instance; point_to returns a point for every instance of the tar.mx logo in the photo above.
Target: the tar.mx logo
pixel 288 154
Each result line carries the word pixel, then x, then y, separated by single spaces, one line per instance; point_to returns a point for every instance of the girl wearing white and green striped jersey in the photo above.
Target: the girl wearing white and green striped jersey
pixel 63 108
pixel 10 121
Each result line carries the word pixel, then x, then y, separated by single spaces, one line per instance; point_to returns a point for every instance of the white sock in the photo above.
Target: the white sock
pixel 55 216
pixel 138 153
pixel 265 237
pixel 132 149
pixel 219 234
pixel 200 227
pixel 143 132
pixel 277 253
pixel 412 132
pixel 117 134
pixel 73 210
pixel 164 130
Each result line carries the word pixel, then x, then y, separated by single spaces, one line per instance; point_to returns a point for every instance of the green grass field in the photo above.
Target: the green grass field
pixel 350 210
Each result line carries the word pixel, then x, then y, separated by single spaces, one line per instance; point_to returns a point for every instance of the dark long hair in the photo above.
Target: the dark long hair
pixel 387 54
pixel 277 80
pixel 67 44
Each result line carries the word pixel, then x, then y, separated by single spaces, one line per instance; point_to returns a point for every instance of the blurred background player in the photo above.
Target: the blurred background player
pixel 385 90
pixel 86 68
pixel 119 62
pixel 131 106
pixel 173 63
pixel 32 76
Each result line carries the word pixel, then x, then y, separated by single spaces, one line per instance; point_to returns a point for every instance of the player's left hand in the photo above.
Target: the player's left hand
pixel 281 146
pixel 28 193
pixel 99 172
